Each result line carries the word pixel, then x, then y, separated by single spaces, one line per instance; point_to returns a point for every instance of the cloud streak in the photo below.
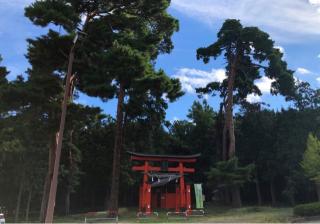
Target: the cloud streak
pixel 303 71
pixel 264 84
pixel 285 20
pixel 191 78
pixel 252 98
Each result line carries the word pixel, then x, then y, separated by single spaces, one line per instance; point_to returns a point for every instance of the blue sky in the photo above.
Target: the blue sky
pixel 293 24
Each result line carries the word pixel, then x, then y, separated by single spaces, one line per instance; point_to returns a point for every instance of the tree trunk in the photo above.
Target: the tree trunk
pixel 124 128
pixel 66 97
pixel 67 201
pixel 258 190
pixel 226 196
pixel 28 204
pixel 224 142
pixel 229 138
pixel 54 181
pixel 219 135
pixel 92 199
pixel 46 187
pixel 273 194
pixel 17 211
pixel 114 193
pixel 318 190
pixel 236 198
pixel 228 131
pixel 70 176
pixel 44 199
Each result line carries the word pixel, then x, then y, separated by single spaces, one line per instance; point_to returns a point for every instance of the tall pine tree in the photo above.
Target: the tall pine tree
pixel 248 51
pixel 122 40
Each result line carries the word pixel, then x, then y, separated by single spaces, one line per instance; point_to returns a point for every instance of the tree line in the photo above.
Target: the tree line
pixel 254 149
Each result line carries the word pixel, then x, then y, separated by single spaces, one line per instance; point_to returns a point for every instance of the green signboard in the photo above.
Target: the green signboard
pixel 199 196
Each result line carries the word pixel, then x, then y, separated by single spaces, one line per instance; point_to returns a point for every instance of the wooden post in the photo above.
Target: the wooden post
pixel 144 187
pixel 182 187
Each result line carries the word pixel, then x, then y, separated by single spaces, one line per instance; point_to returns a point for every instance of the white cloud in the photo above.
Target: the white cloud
pixel 285 20
pixel 252 98
pixel 264 84
pixel 314 2
pixel 318 56
pixel 318 79
pixel 164 96
pixel 281 49
pixel 191 78
pixel 303 71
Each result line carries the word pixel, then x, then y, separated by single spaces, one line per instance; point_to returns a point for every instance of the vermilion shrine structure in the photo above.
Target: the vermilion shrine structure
pixel 164 170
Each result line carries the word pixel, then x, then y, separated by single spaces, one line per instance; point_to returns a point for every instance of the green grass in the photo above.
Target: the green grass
pixel 214 214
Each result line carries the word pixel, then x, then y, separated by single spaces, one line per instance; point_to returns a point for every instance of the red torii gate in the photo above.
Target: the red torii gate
pixel 181 199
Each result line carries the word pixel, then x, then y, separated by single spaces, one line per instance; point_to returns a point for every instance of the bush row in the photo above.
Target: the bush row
pixel 310 209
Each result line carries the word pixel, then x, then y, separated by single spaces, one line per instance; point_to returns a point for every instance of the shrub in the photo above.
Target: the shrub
pixel 310 209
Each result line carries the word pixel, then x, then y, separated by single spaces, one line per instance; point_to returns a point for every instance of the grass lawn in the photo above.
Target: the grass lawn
pixel 214 214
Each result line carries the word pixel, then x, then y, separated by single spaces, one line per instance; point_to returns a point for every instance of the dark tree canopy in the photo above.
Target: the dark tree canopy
pixel 255 53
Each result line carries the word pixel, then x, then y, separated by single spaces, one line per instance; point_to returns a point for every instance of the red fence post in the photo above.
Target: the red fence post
pixel 182 187
pixel 144 186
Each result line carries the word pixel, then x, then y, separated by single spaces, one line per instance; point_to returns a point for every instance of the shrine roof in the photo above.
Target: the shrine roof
pixel 150 156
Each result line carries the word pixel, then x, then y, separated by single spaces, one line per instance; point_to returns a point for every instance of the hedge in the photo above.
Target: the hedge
pixel 310 209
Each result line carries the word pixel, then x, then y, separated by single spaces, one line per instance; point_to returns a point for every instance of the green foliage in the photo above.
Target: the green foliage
pixel 311 158
pixel 121 39
pixel 48 53
pixel 252 51
pixel 305 97
pixel 57 12
pixel 275 143
pixel 229 173
pixel 3 73
pixel 196 135
pixel 24 133
pixel 9 144
pixel 310 209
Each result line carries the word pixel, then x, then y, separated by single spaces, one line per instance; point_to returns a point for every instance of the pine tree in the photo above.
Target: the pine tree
pixel 122 40
pixel 248 51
